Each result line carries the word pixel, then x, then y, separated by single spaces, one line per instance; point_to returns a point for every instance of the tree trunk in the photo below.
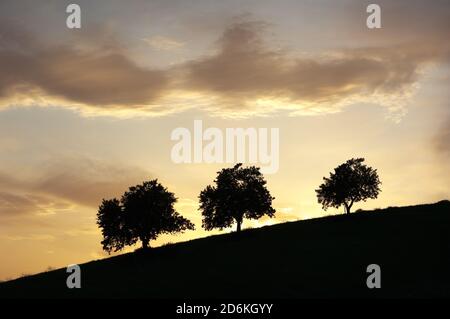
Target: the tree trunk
pixel 238 228
pixel 145 243
pixel 347 208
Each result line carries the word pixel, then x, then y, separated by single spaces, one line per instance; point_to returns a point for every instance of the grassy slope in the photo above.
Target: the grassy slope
pixel 324 257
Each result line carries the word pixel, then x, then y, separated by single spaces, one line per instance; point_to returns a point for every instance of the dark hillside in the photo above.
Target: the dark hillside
pixel 324 257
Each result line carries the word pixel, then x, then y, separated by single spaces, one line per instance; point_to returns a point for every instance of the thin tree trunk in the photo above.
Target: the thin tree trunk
pixel 145 243
pixel 238 228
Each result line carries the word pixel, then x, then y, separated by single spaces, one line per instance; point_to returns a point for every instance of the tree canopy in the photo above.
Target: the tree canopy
pixel 239 192
pixel 143 213
pixel 351 182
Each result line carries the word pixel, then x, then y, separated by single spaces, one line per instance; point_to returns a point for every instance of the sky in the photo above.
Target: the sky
pixel 86 113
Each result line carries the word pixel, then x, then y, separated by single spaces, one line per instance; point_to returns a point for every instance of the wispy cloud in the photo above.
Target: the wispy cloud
pixel 163 43
pixel 64 185
pixel 33 237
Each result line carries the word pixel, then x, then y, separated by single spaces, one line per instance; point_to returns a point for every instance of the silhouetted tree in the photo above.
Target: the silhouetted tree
pixel 143 213
pixel 110 219
pixel 351 182
pixel 239 193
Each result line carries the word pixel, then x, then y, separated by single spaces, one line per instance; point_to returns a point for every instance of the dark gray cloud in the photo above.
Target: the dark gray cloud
pixel 103 77
pixel 244 67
